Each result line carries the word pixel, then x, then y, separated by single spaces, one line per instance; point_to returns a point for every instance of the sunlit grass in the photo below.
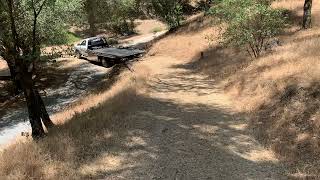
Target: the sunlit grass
pixel 71 38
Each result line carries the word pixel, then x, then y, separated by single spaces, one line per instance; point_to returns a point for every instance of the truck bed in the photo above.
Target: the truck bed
pixel 117 53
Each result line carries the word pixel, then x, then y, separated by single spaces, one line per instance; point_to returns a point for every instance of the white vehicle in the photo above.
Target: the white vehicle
pixel 97 49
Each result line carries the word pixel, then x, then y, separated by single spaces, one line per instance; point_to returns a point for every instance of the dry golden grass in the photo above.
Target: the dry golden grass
pixel 187 43
pixel 84 130
pixel 295 63
pixel 280 92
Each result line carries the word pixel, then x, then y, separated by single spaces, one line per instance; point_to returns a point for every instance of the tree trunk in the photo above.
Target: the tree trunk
pixel 92 28
pixel 307 14
pixel 89 7
pixel 36 108
pixel 32 104
pixel 34 113
pixel 13 72
pixel 14 79
pixel 43 112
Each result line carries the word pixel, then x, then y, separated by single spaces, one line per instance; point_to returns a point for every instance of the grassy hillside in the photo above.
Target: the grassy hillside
pixel 282 93
pixel 86 131
pixel 279 93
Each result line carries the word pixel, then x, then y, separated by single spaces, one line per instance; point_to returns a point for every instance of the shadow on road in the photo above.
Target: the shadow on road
pixel 150 138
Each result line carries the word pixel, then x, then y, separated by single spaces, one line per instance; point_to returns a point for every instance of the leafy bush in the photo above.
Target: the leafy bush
pixel 251 23
pixel 114 15
pixel 118 15
pixel 169 11
pixel 121 26
pixel 112 41
pixel 122 15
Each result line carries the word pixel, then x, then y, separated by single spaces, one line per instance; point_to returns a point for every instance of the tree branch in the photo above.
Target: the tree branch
pixel 41 7
pixel 13 27
pixel 35 14
pixel 253 50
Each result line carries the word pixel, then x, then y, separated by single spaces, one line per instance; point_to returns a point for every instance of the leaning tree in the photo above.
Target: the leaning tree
pixel 25 25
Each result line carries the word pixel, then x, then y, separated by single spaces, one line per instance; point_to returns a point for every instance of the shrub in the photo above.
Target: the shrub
pixel 251 23
pixel 170 11
pixel 120 26
pixel 112 41
pixel 122 14
pixel 116 16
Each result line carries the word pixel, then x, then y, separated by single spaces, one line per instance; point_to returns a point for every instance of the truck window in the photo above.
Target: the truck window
pixel 83 43
pixel 97 42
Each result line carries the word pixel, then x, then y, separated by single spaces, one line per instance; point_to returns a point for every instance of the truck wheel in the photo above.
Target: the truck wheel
pixel 106 63
pixel 78 55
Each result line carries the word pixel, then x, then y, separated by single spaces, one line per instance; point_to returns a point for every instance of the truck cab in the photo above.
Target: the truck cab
pixel 84 49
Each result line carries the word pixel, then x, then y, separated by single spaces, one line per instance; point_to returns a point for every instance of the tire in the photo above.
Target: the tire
pixel 106 62
pixel 78 55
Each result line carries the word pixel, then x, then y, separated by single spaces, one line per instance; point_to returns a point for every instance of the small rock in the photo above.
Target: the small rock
pixel 152 53
pixel 164 130
pixel 272 44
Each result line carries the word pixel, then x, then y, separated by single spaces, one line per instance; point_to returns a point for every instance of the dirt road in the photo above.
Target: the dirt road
pixel 185 128
pixel 182 126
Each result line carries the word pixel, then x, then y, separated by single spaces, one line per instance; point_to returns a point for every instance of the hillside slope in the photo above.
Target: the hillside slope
pixel 181 115
pixel 280 91
pixel 162 122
